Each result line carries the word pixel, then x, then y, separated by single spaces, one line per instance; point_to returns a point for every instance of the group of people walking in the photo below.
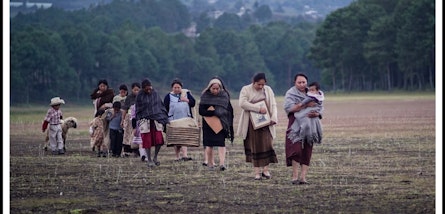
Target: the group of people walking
pixel 135 122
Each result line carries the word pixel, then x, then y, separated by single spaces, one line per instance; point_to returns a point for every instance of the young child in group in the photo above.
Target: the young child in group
pixel 314 94
pixel 114 116
pixel 53 117
pixel 97 135
pixel 123 92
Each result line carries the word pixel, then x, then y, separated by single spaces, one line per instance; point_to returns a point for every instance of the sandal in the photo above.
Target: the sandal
pixel 266 176
pixel 303 182
pixel 296 181
pixel 186 158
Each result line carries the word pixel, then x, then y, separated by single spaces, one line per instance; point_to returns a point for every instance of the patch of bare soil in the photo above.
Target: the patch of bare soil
pixel 376 157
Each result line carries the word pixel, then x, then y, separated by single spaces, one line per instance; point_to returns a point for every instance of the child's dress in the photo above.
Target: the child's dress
pixel 97 136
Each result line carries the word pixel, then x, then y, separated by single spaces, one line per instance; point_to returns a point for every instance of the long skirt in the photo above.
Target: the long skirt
pixel 258 147
pixel 296 151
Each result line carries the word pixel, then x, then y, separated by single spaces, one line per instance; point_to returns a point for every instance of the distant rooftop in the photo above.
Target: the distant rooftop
pixel 27 4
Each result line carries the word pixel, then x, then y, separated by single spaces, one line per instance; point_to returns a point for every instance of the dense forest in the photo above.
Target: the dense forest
pixel 365 46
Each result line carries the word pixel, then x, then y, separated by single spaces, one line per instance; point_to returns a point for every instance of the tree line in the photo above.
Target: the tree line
pixel 369 45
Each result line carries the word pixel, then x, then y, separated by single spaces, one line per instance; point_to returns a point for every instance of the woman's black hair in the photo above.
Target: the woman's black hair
pixel 176 81
pixel 103 81
pixel 300 74
pixel 259 76
pixel 135 84
pixel 99 112
pixel 123 87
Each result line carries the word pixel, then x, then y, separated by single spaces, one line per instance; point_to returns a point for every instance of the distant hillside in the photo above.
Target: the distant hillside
pixel 28 6
pixel 315 9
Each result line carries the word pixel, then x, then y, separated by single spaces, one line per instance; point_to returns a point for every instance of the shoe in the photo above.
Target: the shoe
pixel 177 160
pixel 143 158
pixel 222 168
pixel 187 158
pixel 99 154
pixel 204 164
pixel 104 154
pixel 266 176
pixel 257 178
pixel 211 168
pixel 303 182
pixel 296 182
pixel 61 152
pixel 157 163
pixel 150 164
pixel 55 153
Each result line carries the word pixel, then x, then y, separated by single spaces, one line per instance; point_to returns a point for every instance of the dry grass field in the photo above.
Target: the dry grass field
pixel 377 156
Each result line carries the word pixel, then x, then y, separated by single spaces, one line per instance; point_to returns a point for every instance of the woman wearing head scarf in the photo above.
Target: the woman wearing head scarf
pixel 217 123
pixel 258 142
pixel 152 117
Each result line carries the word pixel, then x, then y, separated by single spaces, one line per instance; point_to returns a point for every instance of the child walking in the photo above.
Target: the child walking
pixel 114 117
pixel 97 135
pixel 53 117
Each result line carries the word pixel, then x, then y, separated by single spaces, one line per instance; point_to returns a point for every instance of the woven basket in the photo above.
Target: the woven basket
pixel 183 132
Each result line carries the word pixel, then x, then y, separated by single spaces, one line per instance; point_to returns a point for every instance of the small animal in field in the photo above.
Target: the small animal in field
pixel 69 122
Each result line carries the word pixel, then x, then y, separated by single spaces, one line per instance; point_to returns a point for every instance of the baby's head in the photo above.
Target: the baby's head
pixel 314 87
pixel 99 113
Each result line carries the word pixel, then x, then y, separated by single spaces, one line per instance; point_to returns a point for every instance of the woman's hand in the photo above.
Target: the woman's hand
pixel 311 104
pixel 184 99
pixel 298 107
pixel 263 110
pixel 313 114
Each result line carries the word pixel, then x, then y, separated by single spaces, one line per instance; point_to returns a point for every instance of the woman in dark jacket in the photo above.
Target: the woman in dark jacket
pixel 102 96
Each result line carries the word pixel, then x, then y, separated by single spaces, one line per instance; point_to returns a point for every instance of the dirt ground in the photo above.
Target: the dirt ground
pixel 377 156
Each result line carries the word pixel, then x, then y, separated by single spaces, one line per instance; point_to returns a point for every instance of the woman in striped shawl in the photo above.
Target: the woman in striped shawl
pixel 152 117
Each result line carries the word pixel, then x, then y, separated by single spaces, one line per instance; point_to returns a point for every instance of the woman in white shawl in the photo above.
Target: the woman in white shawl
pixel 299 151
pixel 258 142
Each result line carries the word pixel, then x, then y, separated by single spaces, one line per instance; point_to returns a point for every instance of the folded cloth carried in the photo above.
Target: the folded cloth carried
pixel 215 123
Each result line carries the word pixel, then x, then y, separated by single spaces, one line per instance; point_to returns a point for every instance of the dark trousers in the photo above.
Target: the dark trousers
pixel 116 139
